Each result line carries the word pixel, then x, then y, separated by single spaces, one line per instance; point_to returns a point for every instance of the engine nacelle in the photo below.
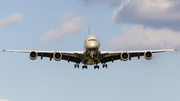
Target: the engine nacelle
pixel 57 56
pixel 33 55
pixel 124 56
pixel 148 55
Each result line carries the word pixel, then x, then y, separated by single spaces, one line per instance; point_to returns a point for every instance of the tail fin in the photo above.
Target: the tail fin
pixel 89 31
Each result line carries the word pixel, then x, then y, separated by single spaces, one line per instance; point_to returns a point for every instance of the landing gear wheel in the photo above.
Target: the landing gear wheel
pixel 96 67
pixel 84 67
pixel 104 65
pixel 76 66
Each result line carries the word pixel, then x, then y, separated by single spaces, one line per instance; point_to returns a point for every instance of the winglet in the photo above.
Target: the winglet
pixel 89 30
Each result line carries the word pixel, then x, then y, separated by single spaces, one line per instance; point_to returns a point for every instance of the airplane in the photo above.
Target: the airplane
pixel 91 54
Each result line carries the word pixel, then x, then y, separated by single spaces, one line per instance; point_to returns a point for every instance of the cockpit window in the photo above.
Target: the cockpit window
pixel 92 40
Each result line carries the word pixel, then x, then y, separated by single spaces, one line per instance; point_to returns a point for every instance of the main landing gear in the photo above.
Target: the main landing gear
pixel 84 67
pixel 76 66
pixel 104 65
pixel 96 66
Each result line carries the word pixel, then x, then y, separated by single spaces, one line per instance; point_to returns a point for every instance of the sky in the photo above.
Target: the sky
pixel 62 25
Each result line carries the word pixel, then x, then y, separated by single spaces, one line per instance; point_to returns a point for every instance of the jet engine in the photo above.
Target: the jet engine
pixel 57 56
pixel 124 56
pixel 148 55
pixel 33 55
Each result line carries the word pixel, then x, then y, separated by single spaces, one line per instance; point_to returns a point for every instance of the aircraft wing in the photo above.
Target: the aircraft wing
pixel 110 56
pixel 73 56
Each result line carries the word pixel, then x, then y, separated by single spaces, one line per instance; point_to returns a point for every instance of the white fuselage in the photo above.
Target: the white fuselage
pixel 91 50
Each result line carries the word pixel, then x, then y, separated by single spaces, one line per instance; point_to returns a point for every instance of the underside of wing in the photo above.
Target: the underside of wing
pixel 110 56
pixel 70 56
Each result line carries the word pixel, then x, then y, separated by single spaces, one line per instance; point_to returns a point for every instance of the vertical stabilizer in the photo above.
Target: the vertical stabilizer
pixel 89 31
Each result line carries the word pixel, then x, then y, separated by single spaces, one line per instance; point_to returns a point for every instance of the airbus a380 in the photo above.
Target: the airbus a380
pixel 91 54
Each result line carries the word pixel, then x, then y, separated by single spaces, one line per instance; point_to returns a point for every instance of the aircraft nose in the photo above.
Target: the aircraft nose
pixel 92 45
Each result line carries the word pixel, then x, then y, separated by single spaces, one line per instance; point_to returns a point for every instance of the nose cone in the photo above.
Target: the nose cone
pixel 92 45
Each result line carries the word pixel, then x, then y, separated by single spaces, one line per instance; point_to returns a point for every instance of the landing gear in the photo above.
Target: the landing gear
pixel 92 54
pixel 76 66
pixel 96 66
pixel 104 65
pixel 84 67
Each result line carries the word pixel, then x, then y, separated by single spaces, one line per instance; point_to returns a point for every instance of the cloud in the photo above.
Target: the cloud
pixel 153 13
pixel 140 38
pixel 109 2
pixel 4 99
pixel 10 20
pixel 70 24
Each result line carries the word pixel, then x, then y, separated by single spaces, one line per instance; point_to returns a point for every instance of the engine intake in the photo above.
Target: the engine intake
pixel 148 55
pixel 33 55
pixel 124 56
pixel 57 56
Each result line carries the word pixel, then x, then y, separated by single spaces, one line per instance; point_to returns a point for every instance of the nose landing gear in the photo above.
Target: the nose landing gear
pixel 92 54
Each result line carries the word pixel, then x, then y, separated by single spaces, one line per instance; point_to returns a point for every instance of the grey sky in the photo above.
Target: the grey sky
pixel 141 38
pixel 151 13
